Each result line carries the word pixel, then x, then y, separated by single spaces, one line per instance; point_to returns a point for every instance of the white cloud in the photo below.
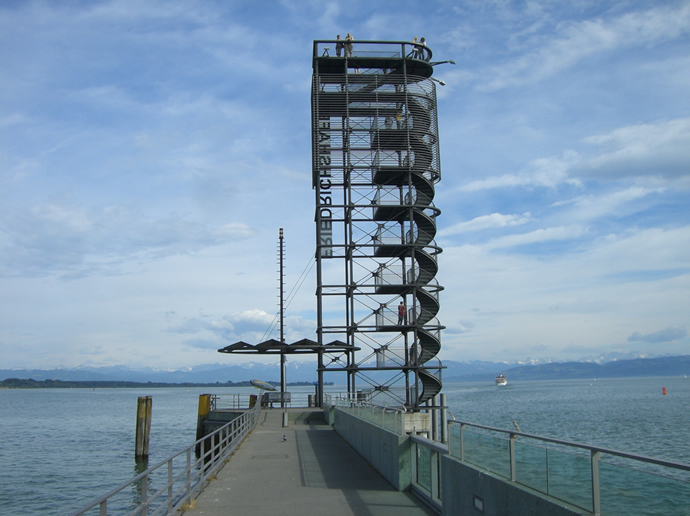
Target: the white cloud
pixel 495 220
pixel 504 181
pixel 248 325
pixel 597 297
pixel 669 334
pixel 657 149
pixel 582 40
pixel 619 203
pixel 459 328
pixel 538 236
pixel 13 119
pixel 67 239
pixel 461 38
pixel 540 172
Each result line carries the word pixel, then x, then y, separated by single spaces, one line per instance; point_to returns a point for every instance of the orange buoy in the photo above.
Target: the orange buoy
pixel 663 390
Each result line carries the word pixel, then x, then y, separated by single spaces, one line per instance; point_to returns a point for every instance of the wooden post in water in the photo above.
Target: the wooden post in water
pixel 141 448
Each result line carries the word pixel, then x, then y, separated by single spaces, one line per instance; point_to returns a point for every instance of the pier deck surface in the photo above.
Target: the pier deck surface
pixel 313 471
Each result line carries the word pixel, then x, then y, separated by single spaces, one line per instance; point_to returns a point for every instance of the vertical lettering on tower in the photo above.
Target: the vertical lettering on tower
pixel 325 199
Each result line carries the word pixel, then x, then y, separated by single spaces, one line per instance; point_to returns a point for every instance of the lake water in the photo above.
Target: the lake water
pixel 61 448
pixel 628 414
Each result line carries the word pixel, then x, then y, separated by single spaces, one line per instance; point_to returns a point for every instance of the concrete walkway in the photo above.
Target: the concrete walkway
pixel 312 471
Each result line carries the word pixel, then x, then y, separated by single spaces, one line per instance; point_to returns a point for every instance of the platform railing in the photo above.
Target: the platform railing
pixel 173 482
pixel 425 464
pixel 243 400
pixel 368 48
pixel 592 478
pixel 388 418
pixel 597 480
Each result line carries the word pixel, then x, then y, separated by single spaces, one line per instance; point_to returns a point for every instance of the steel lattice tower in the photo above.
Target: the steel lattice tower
pixel 375 151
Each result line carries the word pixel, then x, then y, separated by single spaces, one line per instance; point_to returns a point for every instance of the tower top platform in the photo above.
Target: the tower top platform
pixel 369 57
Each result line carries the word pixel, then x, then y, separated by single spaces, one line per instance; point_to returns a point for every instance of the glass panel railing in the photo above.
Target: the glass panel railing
pixel 440 479
pixel 587 477
pixel 626 490
pixel 488 452
pixel 454 441
pixel 569 478
pixel 388 418
pixel 390 421
pixel 424 467
pixel 530 466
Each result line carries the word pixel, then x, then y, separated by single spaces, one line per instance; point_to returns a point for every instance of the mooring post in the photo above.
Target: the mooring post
pixel 204 410
pixel 434 419
pixel 143 431
pixel 444 419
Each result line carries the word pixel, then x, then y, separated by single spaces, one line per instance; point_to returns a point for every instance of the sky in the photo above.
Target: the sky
pixel 150 152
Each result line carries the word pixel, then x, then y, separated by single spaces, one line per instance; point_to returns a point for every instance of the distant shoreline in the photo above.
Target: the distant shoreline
pixel 21 383
pixel 303 374
pixel 636 368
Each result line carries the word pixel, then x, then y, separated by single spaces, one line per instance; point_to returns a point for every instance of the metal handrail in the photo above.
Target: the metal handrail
pixel 594 452
pixel 343 400
pixel 431 493
pixel 167 500
pixel 368 412
pixel 405 48
pixel 588 447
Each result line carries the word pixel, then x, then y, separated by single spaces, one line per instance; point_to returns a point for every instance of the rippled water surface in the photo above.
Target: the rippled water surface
pixel 60 448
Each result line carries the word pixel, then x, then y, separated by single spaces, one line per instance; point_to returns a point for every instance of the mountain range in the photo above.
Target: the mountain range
pixel 454 371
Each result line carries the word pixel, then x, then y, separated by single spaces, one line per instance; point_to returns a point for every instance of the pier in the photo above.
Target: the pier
pixel 356 458
pixel 306 468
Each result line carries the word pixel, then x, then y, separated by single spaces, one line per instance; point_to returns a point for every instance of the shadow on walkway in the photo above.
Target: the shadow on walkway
pixel 304 469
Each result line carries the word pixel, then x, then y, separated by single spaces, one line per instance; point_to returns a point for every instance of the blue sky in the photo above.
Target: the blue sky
pixel 150 151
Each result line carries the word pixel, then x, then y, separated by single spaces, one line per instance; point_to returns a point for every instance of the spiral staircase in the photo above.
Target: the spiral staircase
pixel 384 163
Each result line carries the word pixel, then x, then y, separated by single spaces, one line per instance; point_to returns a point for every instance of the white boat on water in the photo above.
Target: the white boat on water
pixel 501 380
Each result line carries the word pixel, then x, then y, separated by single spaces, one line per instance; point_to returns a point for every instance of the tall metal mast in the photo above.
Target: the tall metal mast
pixel 281 255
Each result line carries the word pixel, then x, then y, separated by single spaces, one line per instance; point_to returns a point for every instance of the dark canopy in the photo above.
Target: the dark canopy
pixel 275 347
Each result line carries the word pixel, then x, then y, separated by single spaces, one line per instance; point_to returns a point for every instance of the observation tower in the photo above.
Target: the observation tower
pixel 375 164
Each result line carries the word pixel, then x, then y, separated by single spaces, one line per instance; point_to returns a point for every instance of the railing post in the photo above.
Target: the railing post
pixel 433 467
pixel 546 454
pixel 513 438
pixel 103 508
pixel 203 460
pixel 444 420
pixel 462 441
pixel 596 489
pixel 170 486
pixel 434 419
pixel 189 475
pixel 449 442
pixel 144 494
